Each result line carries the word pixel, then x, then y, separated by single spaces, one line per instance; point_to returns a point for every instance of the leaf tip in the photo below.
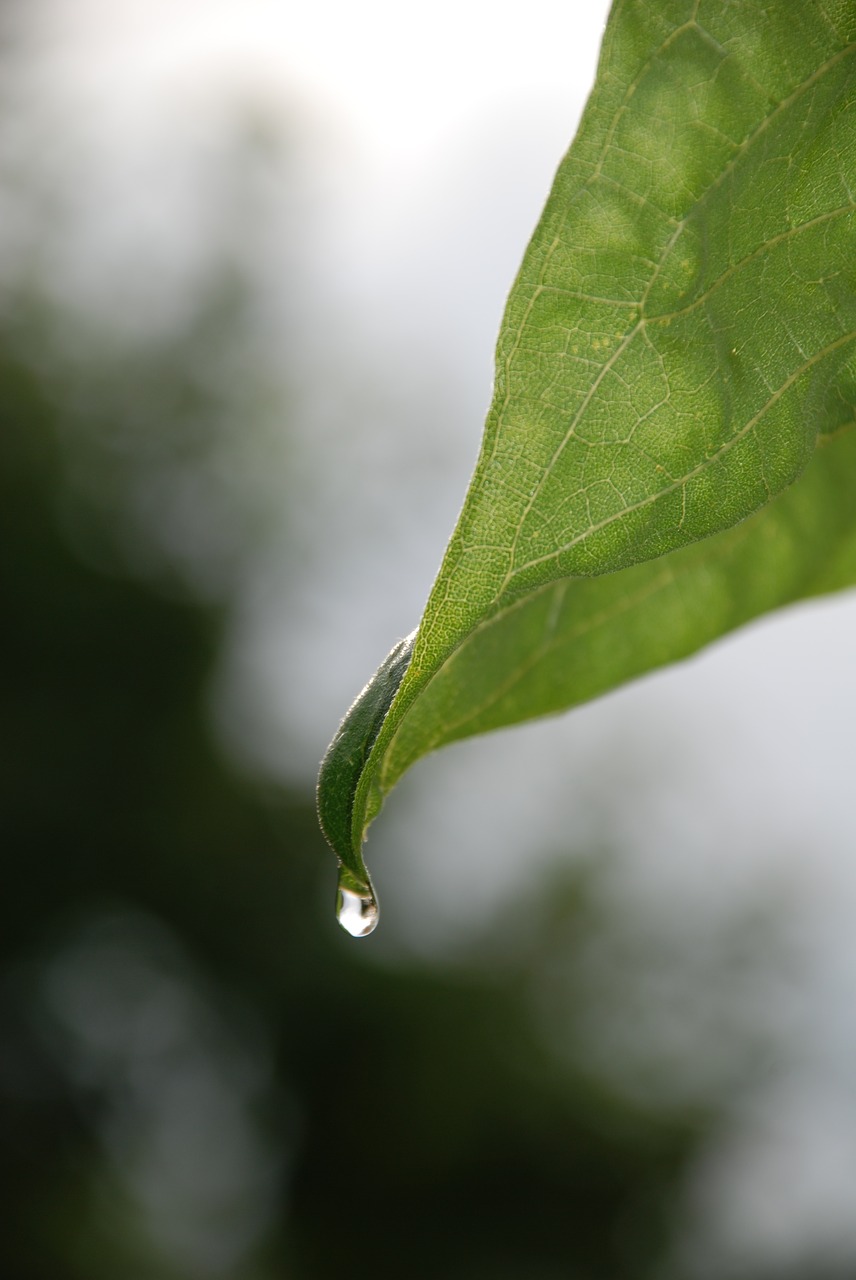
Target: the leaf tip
pixel 345 759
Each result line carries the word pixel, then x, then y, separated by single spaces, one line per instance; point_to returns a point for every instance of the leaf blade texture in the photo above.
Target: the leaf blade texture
pixel 678 343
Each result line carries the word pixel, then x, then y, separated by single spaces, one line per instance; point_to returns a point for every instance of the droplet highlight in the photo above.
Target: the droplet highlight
pixel 356 907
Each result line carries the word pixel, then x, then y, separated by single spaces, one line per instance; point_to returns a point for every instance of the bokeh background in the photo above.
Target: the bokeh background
pixel 253 258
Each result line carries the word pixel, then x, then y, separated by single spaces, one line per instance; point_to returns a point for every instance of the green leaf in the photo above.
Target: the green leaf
pixel 680 338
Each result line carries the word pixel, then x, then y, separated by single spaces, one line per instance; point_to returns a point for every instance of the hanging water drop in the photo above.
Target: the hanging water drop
pixel 356 907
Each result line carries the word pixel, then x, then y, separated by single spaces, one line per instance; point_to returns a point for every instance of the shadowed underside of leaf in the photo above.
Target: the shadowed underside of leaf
pixel 680 338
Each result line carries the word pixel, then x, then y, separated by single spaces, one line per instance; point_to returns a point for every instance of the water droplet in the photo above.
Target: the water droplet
pixel 356 907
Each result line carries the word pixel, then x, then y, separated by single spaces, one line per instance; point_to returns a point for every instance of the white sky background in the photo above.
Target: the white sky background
pixel 429 137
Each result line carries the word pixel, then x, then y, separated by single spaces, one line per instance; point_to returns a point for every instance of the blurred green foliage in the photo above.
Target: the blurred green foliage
pixel 200 1075
pixel 406 1120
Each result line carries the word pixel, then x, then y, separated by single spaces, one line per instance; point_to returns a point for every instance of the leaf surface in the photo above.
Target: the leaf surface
pixel 680 339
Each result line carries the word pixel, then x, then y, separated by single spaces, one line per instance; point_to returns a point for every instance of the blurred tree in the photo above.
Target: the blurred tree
pixel 417 1121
